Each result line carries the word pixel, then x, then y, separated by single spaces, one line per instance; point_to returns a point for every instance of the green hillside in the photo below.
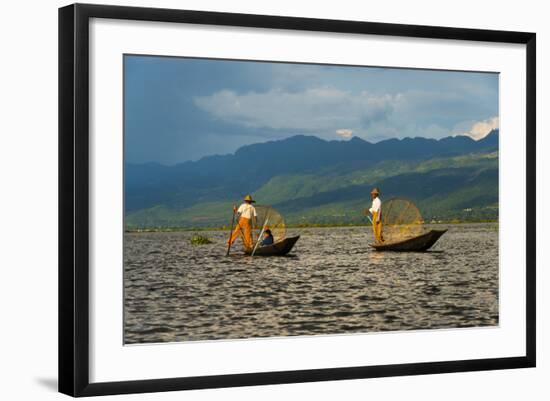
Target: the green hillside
pixel 286 187
pixel 463 187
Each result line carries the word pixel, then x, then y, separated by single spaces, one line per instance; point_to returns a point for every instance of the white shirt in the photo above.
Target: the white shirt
pixel 246 210
pixel 376 205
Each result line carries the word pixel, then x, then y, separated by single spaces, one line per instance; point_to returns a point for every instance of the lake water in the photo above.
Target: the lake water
pixel 332 283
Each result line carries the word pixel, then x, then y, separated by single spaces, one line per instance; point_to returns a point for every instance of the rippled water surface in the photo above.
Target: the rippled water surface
pixel 332 283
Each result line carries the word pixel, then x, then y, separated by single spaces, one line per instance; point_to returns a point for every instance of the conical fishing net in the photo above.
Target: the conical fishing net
pixel 269 218
pixel 401 220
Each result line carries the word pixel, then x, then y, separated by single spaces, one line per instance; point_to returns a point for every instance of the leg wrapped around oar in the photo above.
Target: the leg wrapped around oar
pixel 244 229
pixel 377 228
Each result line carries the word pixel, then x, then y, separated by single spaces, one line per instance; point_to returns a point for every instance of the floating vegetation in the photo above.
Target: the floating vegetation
pixel 200 240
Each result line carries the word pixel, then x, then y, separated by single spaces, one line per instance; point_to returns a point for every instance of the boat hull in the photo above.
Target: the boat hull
pixel 416 244
pixel 280 248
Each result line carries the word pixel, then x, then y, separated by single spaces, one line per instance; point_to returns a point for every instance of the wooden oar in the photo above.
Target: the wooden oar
pixel 230 233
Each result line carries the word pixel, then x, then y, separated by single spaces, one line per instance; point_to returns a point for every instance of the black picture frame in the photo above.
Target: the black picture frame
pixel 74 198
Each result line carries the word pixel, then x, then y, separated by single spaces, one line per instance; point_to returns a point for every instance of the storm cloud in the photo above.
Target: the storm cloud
pixel 179 109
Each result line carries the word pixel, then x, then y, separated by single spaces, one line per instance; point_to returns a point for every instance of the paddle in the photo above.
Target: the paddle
pixel 231 232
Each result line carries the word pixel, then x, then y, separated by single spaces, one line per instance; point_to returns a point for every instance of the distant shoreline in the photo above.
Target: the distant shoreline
pixel 291 226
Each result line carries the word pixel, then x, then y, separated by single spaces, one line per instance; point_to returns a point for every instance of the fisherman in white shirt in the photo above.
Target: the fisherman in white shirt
pixel 376 211
pixel 246 223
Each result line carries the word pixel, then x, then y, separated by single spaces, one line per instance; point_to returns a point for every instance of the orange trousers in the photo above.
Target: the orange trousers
pixel 377 227
pixel 244 229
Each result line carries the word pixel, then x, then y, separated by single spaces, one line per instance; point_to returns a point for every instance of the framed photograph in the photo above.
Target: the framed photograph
pixel 251 199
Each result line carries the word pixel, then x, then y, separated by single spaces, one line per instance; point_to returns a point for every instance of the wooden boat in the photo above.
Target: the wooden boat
pixel 419 243
pixel 280 248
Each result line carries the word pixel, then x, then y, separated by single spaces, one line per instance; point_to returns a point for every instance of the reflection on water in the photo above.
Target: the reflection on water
pixel 332 283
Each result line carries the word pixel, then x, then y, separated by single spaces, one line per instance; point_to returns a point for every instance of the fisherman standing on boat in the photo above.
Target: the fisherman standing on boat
pixel 247 222
pixel 376 211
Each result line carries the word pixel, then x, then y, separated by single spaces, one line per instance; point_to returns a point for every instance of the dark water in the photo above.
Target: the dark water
pixel 333 283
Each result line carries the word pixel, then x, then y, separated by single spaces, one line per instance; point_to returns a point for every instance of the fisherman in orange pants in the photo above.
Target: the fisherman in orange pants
pixel 246 223
pixel 376 211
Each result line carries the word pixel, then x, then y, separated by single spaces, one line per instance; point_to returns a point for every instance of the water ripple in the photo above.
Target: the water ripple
pixel 332 283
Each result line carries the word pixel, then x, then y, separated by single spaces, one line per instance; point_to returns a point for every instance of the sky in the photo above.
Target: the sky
pixel 179 109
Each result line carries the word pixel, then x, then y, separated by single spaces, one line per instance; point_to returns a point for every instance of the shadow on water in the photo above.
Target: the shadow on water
pixel 244 257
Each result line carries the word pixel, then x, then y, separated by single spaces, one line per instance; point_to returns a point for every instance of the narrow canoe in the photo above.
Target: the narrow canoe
pixel 416 244
pixel 277 249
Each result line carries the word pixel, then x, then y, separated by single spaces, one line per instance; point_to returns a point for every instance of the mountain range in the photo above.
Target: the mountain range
pixel 311 180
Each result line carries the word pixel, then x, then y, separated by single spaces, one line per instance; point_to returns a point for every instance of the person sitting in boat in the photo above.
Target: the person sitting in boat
pixel 268 238
pixel 246 222
pixel 376 211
